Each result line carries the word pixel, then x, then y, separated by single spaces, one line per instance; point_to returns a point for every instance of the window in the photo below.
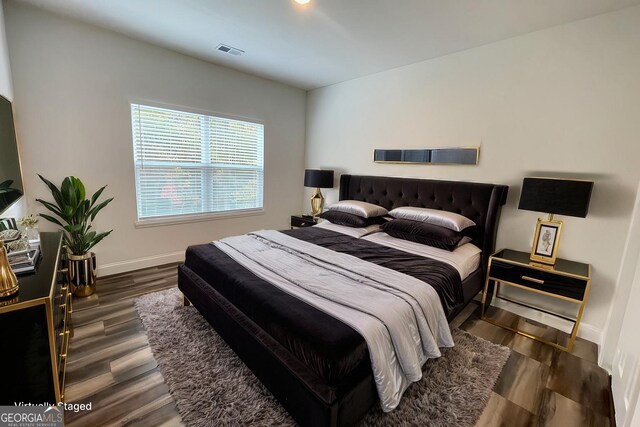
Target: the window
pixel 194 164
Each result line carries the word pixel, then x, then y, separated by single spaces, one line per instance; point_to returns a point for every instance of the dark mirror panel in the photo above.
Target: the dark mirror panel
pixel 10 175
pixel 441 156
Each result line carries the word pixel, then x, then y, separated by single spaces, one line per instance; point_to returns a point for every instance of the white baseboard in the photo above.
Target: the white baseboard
pixel 590 333
pixel 138 263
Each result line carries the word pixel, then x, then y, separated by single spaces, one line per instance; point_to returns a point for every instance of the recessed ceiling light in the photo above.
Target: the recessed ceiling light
pixel 302 1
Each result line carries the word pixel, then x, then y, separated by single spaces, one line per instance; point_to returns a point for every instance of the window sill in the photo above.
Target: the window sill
pixel 185 219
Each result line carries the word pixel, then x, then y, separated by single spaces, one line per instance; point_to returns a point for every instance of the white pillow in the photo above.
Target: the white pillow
pixel 362 209
pixel 450 220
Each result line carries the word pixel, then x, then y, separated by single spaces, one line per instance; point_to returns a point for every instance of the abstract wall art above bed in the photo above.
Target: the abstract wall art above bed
pixel 429 156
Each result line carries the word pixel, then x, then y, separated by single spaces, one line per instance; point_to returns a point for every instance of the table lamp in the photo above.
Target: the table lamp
pixel 555 196
pixel 319 179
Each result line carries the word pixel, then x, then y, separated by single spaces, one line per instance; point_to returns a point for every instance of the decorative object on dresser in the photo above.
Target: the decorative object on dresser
pixel 299 221
pixel 30 225
pixel 566 280
pixel 76 213
pixel 36 330
pixel 429 156
pixel 22 254
pixel 319 179
pixel 8 224
pixel 8 279
pixel 554 196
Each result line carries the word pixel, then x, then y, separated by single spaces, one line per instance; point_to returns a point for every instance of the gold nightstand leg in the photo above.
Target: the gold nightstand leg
pixel 485 290
pixel 574 331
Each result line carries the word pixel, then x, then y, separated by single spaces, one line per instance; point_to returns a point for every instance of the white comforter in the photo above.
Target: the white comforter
pixel 400 317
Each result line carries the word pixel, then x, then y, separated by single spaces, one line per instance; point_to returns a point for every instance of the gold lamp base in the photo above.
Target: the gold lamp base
pixel 317 203
pixel 8 279
pixel 9 292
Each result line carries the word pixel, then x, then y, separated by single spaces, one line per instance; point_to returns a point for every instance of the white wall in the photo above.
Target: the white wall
pixel 73 83
pixel 559 102
pixel 621 298
pixel 6 87
pixel 621 349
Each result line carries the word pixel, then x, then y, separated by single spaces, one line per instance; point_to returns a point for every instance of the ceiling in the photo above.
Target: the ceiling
pixel 326 41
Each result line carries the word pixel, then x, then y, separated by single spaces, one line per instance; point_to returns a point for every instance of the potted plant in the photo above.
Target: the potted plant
pixel 74 213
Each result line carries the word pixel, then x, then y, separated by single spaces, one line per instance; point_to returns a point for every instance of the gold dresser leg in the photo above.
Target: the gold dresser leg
pixel 185 301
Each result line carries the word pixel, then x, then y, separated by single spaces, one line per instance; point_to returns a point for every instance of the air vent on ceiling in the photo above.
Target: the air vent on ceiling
pixel 230 49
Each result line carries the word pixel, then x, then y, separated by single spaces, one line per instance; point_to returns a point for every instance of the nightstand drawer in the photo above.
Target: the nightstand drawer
pixel 552 283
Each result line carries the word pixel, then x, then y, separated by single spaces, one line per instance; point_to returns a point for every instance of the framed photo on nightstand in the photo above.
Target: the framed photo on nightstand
pixel 545 241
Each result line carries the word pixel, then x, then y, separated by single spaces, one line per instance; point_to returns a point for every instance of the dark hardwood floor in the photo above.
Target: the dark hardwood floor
pixel 110 362
pixel 111 365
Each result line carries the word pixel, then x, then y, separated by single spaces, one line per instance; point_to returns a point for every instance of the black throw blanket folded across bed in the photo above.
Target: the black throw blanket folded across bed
pixel 441 276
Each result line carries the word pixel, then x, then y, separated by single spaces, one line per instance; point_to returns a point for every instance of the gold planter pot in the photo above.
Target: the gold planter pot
pixel 82 274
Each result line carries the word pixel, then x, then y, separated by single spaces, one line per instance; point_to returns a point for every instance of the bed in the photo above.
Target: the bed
pixel 317 366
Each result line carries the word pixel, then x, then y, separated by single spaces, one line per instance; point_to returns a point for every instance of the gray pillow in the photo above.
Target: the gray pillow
pixel 450 220
pixel 356 207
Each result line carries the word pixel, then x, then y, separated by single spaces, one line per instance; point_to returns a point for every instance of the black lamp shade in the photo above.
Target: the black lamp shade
pixel 317 178
pixel 556 196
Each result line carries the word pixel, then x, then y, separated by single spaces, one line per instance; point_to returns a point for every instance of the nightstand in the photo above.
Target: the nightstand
pixel 299 221
pixel 566 280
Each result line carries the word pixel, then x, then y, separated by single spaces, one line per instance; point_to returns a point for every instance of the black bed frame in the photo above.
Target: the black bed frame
pixel 289 381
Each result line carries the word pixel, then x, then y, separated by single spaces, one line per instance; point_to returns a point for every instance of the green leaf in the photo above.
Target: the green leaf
pixel 73 228
pixel 51 219
pixel 81 213
pixel 78 186
pixel 69 194
pixel 98 238
pixel 97 194
pixel 99 207
pixel 89 237
pixel 53 208
pixel 55 192
pixel 68 212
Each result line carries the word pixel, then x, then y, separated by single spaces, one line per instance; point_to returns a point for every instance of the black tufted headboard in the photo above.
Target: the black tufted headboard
pixel 479 202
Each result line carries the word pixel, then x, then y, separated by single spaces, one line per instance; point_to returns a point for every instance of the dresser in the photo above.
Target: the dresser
pixel 35 331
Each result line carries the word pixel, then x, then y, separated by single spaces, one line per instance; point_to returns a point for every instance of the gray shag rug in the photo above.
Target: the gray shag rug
pixel 211 385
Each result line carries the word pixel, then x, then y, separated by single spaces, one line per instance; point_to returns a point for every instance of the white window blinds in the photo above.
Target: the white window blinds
pixel 188 163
